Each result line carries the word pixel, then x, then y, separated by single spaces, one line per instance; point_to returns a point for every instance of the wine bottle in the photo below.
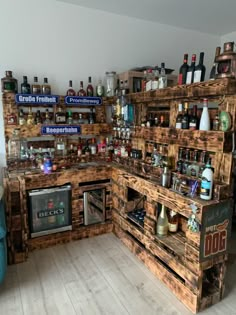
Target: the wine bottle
pixel 185 117
pixel 70 91
pixel 162 222
pixel 173 220
pixel 183 71
pixel 178 124
pixel 205 119
pixel 191 69
pixel 200 69
pixel 81 91
pixel 193 122
pixel 89 87
pixel 207 182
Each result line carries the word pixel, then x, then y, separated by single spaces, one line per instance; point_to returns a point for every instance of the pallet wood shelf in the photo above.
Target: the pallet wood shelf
pixel 185 261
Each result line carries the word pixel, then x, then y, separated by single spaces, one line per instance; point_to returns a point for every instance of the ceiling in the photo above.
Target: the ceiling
pixel 216 17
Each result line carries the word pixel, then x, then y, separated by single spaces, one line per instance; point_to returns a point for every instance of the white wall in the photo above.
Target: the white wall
pixel 61 41
pixel 230 37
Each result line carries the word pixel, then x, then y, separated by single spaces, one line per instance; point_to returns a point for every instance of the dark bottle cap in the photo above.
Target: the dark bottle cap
pixel 36 79
pixel 8 73
pixel 162 65
pixel 89 79
pixel 45 80
pixel 70 83
pixel 81 83
pixel 25 78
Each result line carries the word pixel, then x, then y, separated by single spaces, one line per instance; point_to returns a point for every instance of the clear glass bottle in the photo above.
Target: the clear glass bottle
pixel 173 221
pixel 193 168
pixel 162 82
pixel 47 120
pixel 14 145
pixel 178 124
pixel 162 222
pixel 100 89
pixel 61 146
pixel 187 162
pixel 165 177
pixel 46 88
pixel 110 83
pixel 36 88
pixel 30 117
pixel 9 84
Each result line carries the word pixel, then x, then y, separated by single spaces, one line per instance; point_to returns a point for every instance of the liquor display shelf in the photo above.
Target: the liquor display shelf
pixel 214 141
pixel 178 259
pixel 209 89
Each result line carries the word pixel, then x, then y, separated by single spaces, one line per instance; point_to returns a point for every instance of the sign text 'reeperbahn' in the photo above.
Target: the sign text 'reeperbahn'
pixel 83 100
pixel 59 130
pixel 36 99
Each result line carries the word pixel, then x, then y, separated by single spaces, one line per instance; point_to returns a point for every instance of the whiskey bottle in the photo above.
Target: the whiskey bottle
pixel 89 89
pixel 46 88
pixel 22 120
pixel 81 91
pixel 9 84
pixel 180 162
pixel 185 118
pixel 30 118
pixel 186 162
pixel 162 222
pixel 47 120
pixel 70 91
pixel 61 146
pixel 173 221
pixel 36 88
pixel 60 116
pixel 193 122
pixel 193 169
pixel 25 86
pixel 38 118
pixel 178 124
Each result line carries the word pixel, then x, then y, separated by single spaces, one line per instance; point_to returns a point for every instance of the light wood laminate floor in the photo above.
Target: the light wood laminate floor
pixel 95 276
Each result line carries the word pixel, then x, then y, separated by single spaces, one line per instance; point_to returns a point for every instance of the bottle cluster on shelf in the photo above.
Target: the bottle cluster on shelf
pixel 61 116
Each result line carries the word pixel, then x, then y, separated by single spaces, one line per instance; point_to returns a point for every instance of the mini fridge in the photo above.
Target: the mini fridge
pixel 49 210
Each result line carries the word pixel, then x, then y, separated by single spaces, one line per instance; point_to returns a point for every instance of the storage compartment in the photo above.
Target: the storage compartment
pixel 49 210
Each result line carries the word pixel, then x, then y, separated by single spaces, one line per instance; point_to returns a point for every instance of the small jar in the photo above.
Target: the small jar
pixel 110 83
pixel 9 84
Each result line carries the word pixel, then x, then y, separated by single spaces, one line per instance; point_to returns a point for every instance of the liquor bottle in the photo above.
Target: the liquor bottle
pixel 79 147
pixel 47 120
pixel 100 89
pixel 70 91
pixel 14 145
pixel 60 116
pixel 30 118
pixel 162 122
pixel 89 89
pixel 81 91
pixel 162 81
pixel 216 123
pixel 25 86
pixel 80 120
pixel 185 117
pixel 38 118
pixel 193 168
pixel 162 222
pixel 165 177
pixel 207 182
pixel 22 120
pixel 179 118
pixel 36 88
pixel 193 122
pixel 69 118
pixel 200 69
pixel 191 69
pixel 149 80
pixel 11 118
pixel 71 149
pixel 203 161
pixel 46 88
pixel 86 149
pixel 93 146
pixel 183 71
pixel 180 162
pixel 155 81
pixel 187 162
pixel 173 221
pixel 214 67
pixel 60 146
pixel 9 84
pixel 205 119
pixel 91 119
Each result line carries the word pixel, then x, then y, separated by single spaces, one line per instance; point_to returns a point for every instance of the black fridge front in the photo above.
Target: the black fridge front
pixel 49 210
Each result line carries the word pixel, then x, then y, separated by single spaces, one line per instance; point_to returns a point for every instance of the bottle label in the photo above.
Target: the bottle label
pixel 162 229
pixel 149 85
pixel 60 146
pixel 173 227
pixel 180 79
pixel 154 84
pixel 25 90
pixel 9 86
pixel 205 187
pixel 197 76
pixel 60 119
pixel 193 172
pixel 192 126
pixel 189 77
pixel 178 125
pixel 36 90
pixel 46 90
